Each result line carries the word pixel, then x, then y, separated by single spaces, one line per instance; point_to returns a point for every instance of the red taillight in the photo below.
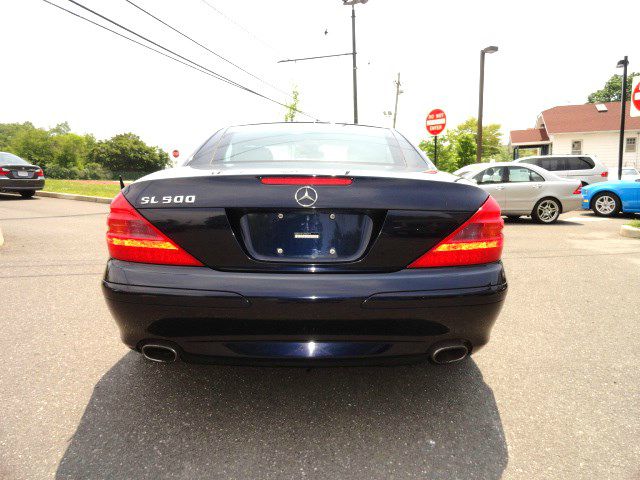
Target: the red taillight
pixel 578 191
pixel 39 173
pixel 322 181
pixel 478 240
pixel 605 174
pixel 3 171
pixel 133 239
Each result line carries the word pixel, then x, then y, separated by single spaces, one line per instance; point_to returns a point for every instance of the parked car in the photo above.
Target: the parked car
pixel 19 176
pixel 628 173
pixel 610 198
pixel 586 168
pixel 304 243
pixel 523 189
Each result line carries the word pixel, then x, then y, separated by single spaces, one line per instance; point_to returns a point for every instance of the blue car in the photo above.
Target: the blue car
pixel 607 199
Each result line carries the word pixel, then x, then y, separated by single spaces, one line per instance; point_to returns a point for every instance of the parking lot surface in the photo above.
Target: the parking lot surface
pixel 555 394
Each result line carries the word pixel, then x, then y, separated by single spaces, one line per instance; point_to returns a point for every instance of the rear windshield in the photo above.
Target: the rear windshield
pixel 11 159
pixel 309 144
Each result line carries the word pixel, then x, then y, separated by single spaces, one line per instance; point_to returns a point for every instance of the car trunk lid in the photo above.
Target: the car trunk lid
pixel 241 222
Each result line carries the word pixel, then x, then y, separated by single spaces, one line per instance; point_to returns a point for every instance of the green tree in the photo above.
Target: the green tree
pixel 70 150
pixel 612 90
pixel 504 155
pixel 465 148
pixel 33 144
pixel 292 108
pixel 60 129
pixel 457 148
pixel 491 140
pixel 464 139
pixel 446 160
pixel 127 153
pixel 8 131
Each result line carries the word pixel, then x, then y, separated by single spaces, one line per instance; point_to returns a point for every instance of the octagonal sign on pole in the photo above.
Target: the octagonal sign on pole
pixel 436 121
pixel 635 97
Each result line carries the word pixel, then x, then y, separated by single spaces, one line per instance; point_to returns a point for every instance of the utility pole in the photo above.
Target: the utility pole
pixel 353 54
pixel 398 92
pixel 623 113
pixel 483 52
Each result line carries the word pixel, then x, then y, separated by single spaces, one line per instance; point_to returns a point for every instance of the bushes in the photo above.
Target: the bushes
pixel 91 171
pixel 126 153
pixel 95 171
pixel 66 155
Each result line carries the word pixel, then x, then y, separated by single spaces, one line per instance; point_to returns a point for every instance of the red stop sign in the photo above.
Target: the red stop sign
pixel 635 96
pixel 175 154
pixel 436 121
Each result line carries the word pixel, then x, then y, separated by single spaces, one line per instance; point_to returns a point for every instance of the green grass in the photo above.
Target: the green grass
pixel 81 187
pixel 634 223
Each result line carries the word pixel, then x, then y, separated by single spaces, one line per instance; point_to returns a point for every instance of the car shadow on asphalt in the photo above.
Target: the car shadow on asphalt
pixel 9 197
pixel 155 421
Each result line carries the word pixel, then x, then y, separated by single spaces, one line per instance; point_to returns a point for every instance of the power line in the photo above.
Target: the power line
pixel 212 74
pixel 125 37
pixel 204 47
pixel 190 64
pixel 222 14
pixel 222 77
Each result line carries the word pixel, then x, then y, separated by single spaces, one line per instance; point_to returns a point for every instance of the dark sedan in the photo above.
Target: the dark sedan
pixel 305 244
pixel 19 176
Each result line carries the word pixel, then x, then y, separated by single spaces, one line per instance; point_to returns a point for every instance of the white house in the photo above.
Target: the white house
pixel 590 129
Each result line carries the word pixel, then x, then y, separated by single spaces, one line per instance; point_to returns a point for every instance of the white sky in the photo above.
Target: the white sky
pixel 59 68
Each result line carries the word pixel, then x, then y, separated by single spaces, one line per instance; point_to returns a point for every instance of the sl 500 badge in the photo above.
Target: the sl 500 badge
pixel 168 199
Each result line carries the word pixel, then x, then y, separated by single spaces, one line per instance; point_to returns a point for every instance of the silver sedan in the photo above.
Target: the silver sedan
pixel 522 189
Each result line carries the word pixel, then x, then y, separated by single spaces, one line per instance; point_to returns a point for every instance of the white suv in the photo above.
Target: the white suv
pixel 586 168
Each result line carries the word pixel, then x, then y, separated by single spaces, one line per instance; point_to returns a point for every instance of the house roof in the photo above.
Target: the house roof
pixel 586 118
pixel 529 136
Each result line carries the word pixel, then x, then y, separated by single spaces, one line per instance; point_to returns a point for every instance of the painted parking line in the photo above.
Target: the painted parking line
pixel 584 219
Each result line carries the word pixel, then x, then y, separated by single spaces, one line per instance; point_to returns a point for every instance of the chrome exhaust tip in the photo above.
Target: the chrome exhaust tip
pixel 159 353
pixel 449 353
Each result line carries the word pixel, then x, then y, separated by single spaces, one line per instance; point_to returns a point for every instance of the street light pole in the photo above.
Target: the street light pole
pixel 355 64
pixel 481 102
pixel 623 113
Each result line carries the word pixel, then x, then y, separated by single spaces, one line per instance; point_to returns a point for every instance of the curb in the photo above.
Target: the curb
pixel 73 196
pixel 629 231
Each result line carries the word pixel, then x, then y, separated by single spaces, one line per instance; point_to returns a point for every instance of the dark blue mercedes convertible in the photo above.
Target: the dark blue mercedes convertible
pixel 305 244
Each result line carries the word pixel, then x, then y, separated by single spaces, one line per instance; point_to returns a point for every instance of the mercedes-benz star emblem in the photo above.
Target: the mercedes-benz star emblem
pixel 306 196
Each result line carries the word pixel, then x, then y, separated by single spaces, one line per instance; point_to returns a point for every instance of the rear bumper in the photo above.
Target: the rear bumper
pixel 571 203
pixel 265 317
pixel 17 185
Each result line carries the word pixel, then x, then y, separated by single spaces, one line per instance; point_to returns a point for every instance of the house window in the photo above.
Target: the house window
pixel 576 147
pixel 630 145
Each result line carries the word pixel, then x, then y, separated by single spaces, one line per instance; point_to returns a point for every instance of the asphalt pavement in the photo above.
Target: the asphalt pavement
pixel 554 395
